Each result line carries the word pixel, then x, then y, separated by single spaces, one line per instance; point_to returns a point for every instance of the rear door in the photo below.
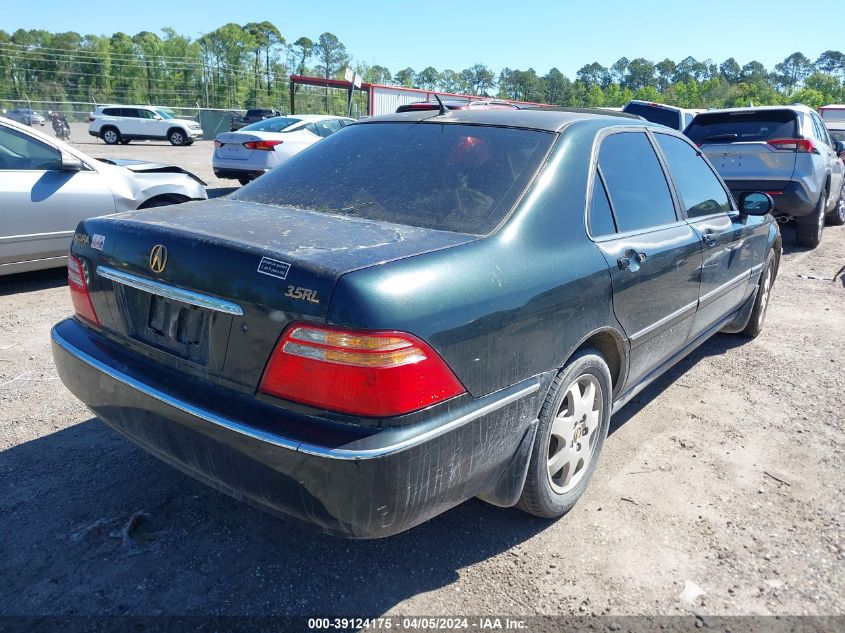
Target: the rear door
pixel 652 254
pixel 40 205
pixel 732 244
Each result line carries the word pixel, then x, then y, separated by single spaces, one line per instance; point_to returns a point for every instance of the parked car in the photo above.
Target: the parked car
pixel 47 187
pixel 255 149
pixel 253 115
pixel 456 105
pixel 415 311
pixel 26 116
pixel 670 116
pixel 783 150
pixel 122 124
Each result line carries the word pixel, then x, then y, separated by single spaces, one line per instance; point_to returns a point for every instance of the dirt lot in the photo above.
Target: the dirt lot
pixel 726 473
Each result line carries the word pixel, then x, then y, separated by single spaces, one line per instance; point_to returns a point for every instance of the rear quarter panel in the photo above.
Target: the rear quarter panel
pixel 506 307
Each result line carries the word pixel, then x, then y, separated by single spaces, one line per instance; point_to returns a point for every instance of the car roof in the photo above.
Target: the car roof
pixel 797 107
pixel 536 118
pixel 311 117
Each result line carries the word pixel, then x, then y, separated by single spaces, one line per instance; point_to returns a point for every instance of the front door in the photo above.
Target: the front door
pixel 653 256
pixel 41 204
pixel 731 243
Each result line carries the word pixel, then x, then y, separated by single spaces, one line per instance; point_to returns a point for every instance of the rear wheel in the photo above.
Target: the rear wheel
pixel 810 234
pixel 177 137
pixel 837 216
pixel 572 429
pixel 110 135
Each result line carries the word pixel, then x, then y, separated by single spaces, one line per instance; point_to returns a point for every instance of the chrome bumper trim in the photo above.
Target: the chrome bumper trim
pixel 276 440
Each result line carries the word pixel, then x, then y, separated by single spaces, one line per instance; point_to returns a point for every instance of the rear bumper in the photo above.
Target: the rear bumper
pixel 791 198
pixel 234 174
pixel 361 486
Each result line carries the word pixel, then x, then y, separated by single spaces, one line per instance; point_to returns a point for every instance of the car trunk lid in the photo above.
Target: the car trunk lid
pixel 274 265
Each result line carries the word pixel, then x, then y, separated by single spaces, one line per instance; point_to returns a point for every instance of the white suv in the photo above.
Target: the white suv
pixel 121 124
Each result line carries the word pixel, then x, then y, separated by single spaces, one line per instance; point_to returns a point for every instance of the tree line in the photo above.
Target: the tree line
pixel 237 66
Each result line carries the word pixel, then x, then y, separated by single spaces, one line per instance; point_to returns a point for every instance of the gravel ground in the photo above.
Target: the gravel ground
pixel 726 473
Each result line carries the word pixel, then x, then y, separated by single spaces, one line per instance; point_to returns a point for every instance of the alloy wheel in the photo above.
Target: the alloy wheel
pixel 574 433
pixel 765 288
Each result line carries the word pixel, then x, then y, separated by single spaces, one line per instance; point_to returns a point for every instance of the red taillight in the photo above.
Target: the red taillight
pixel 799 145
pixel 218 144
pixel 266 146
pixel 78 277
pixel 362 372
pixel 91 119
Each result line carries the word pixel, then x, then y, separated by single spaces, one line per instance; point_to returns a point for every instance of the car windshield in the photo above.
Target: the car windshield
pixel 654 113
pixel 452 177
pixel 164 114
pixel 276 124
pixel 730 127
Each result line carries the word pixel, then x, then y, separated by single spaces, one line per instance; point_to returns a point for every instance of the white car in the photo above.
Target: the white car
pixel 47 187
pixel 257 148
pixel 121 124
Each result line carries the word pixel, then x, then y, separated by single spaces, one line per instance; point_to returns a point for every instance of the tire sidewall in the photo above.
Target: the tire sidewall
pixel 181 137
pixel 111 130
pixel 552 503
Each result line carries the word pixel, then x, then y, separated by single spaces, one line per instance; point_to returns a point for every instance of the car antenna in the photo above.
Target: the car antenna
pixel 443 108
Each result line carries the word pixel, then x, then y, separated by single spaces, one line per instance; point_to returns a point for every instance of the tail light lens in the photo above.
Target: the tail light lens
pixel 266 146
pixel 218 144
pixel 361 372
pixel 78 278
pixel 799 145
pixel 91 119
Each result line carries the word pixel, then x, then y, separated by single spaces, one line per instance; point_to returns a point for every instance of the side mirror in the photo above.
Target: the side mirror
pixel 755 203
pixel 838 147
pixel 70 162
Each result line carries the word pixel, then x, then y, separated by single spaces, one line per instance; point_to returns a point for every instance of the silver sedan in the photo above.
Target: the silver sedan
pixel 47 187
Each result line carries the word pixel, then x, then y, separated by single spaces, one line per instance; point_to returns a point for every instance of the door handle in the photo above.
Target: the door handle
pixel 708 238
pixel 631 261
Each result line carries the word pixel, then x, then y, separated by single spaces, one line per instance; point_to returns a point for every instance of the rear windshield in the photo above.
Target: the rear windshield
pixel 277 124
pixel 655 114
pixel 461 178
pixel 729 127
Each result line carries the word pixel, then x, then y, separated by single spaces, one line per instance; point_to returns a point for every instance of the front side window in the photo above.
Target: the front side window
pixel 700 190
pixel 21 152
pixel 451 177
pixel 635 182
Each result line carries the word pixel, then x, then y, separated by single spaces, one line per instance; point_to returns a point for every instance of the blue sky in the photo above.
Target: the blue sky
pixel 457 34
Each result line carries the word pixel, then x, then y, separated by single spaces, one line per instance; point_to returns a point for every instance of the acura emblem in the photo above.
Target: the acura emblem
pixel 158 258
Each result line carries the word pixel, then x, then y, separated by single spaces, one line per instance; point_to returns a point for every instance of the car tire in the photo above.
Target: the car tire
pixel 177 137
pixel 810 234
pixel 761 302
pixel 110 135
pixel 244 180
pixel 563 458
pixel 837 216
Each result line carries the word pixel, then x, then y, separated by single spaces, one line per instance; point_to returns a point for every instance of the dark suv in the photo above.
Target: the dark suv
pixel 785 151
pixel 253 115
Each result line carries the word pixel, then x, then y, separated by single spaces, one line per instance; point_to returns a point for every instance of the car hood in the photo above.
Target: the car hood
pixel 148 167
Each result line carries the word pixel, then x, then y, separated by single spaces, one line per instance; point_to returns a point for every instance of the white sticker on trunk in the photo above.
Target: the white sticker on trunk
pixel 98 241
pixel 273 267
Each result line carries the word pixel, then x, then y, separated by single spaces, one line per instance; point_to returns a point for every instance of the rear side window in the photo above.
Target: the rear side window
pixel 112 111
pixel 655 114
pixel 452 177
pixel 635 182
pixel 728 127
pixel 700 190
pixel 601 217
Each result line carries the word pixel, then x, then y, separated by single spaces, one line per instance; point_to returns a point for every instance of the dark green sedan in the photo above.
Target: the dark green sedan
pixel 421 309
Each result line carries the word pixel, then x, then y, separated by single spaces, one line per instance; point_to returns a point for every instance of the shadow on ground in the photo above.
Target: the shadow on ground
pixel 31 282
